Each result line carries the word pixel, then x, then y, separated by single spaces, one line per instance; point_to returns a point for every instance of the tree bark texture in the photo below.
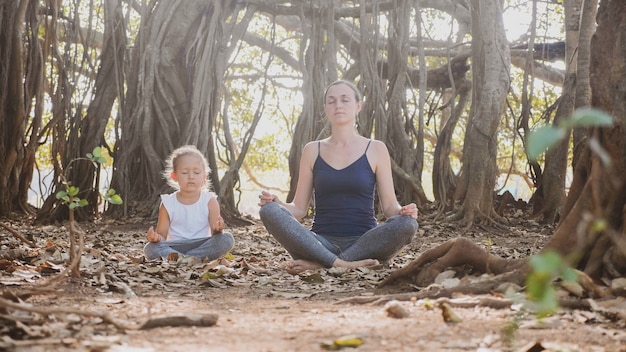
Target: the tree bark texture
pixel 444 179
pixel 173 98
pixel 598 191
pixel 13 115
pixel 91 128
pixel 316 48
pixel 491 64
pixel 550 194
pixel 398 127
pixel 583 58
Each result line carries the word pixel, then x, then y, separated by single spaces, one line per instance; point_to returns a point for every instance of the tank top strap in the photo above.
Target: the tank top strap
pixel 368 145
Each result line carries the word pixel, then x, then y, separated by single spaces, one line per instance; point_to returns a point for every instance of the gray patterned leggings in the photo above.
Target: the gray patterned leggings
pixel 382 242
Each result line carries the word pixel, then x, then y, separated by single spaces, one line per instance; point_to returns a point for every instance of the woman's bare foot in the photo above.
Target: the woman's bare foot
pixel 295 267
pixel 355 264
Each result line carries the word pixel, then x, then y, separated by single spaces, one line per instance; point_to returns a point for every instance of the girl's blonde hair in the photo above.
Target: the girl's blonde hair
pixel 170 164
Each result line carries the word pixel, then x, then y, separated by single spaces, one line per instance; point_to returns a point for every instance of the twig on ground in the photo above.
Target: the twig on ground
pixel 18 235
pixel 193 319
pixel 74 265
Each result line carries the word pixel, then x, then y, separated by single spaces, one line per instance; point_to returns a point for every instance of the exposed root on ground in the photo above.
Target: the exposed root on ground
pixel 467 219
pixel 481 287
pixel 460 251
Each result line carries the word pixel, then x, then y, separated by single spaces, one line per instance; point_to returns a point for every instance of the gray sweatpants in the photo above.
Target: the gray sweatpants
pixel 382 242
pixel 211 248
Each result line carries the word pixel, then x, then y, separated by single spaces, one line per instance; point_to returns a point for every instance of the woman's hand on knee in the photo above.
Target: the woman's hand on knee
pixel 409 210
pixel 266 197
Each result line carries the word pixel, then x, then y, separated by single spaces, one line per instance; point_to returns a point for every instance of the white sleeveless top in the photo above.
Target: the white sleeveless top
pixel 188 221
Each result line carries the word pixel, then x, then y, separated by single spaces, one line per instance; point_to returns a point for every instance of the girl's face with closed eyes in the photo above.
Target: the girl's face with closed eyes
pixel 189 172
pixel 341 104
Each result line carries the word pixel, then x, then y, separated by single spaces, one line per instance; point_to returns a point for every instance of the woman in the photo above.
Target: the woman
pixel 342 172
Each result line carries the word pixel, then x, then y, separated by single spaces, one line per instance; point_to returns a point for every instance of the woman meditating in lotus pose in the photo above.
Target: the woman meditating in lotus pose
pixel 342 173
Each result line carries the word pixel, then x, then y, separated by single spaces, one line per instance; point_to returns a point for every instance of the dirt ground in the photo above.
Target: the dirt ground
pixel 258 306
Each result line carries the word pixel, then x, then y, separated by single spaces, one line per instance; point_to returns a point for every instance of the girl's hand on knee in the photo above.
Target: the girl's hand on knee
pixel 219 226
pixel 153 236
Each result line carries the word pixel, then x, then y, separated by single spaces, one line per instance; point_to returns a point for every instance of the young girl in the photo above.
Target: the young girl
pixel 341 172
pixel 189 219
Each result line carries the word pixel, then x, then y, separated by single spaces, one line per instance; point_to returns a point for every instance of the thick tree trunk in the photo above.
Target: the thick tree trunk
pixel 174 97
pixel 583 86
pixel 444 179
pixel 491 64
pixel 598 192
pixel 551 189
pixel 13 114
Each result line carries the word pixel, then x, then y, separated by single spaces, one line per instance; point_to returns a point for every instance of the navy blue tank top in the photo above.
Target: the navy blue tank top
pixel 344 199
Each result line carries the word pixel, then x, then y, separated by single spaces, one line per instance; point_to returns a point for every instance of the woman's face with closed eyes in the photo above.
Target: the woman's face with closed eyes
pixel 341 103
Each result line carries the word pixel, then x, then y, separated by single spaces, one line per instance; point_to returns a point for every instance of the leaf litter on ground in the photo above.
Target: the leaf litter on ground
pixel 113 267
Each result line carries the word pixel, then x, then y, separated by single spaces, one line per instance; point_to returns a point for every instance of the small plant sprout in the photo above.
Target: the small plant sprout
pixel 489 242
pixel 540 292
pixel 69 196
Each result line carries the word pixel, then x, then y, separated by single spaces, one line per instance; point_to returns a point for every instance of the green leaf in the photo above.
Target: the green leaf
pixel 569 274
pixel 546 268
pixel 97 152
pixel 115 199
pixel 209 276
pixel 82 202
pixel 96 155
pixel 587 117
pixel 61 195
pixel 72 191
pixel 541 139
pixel 548 303
pixel 536 285
pixel 548 262
pixel 348 341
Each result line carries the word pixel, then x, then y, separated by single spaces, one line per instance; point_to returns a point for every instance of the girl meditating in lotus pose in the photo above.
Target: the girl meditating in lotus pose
pixel 189 219
pixel 342 173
